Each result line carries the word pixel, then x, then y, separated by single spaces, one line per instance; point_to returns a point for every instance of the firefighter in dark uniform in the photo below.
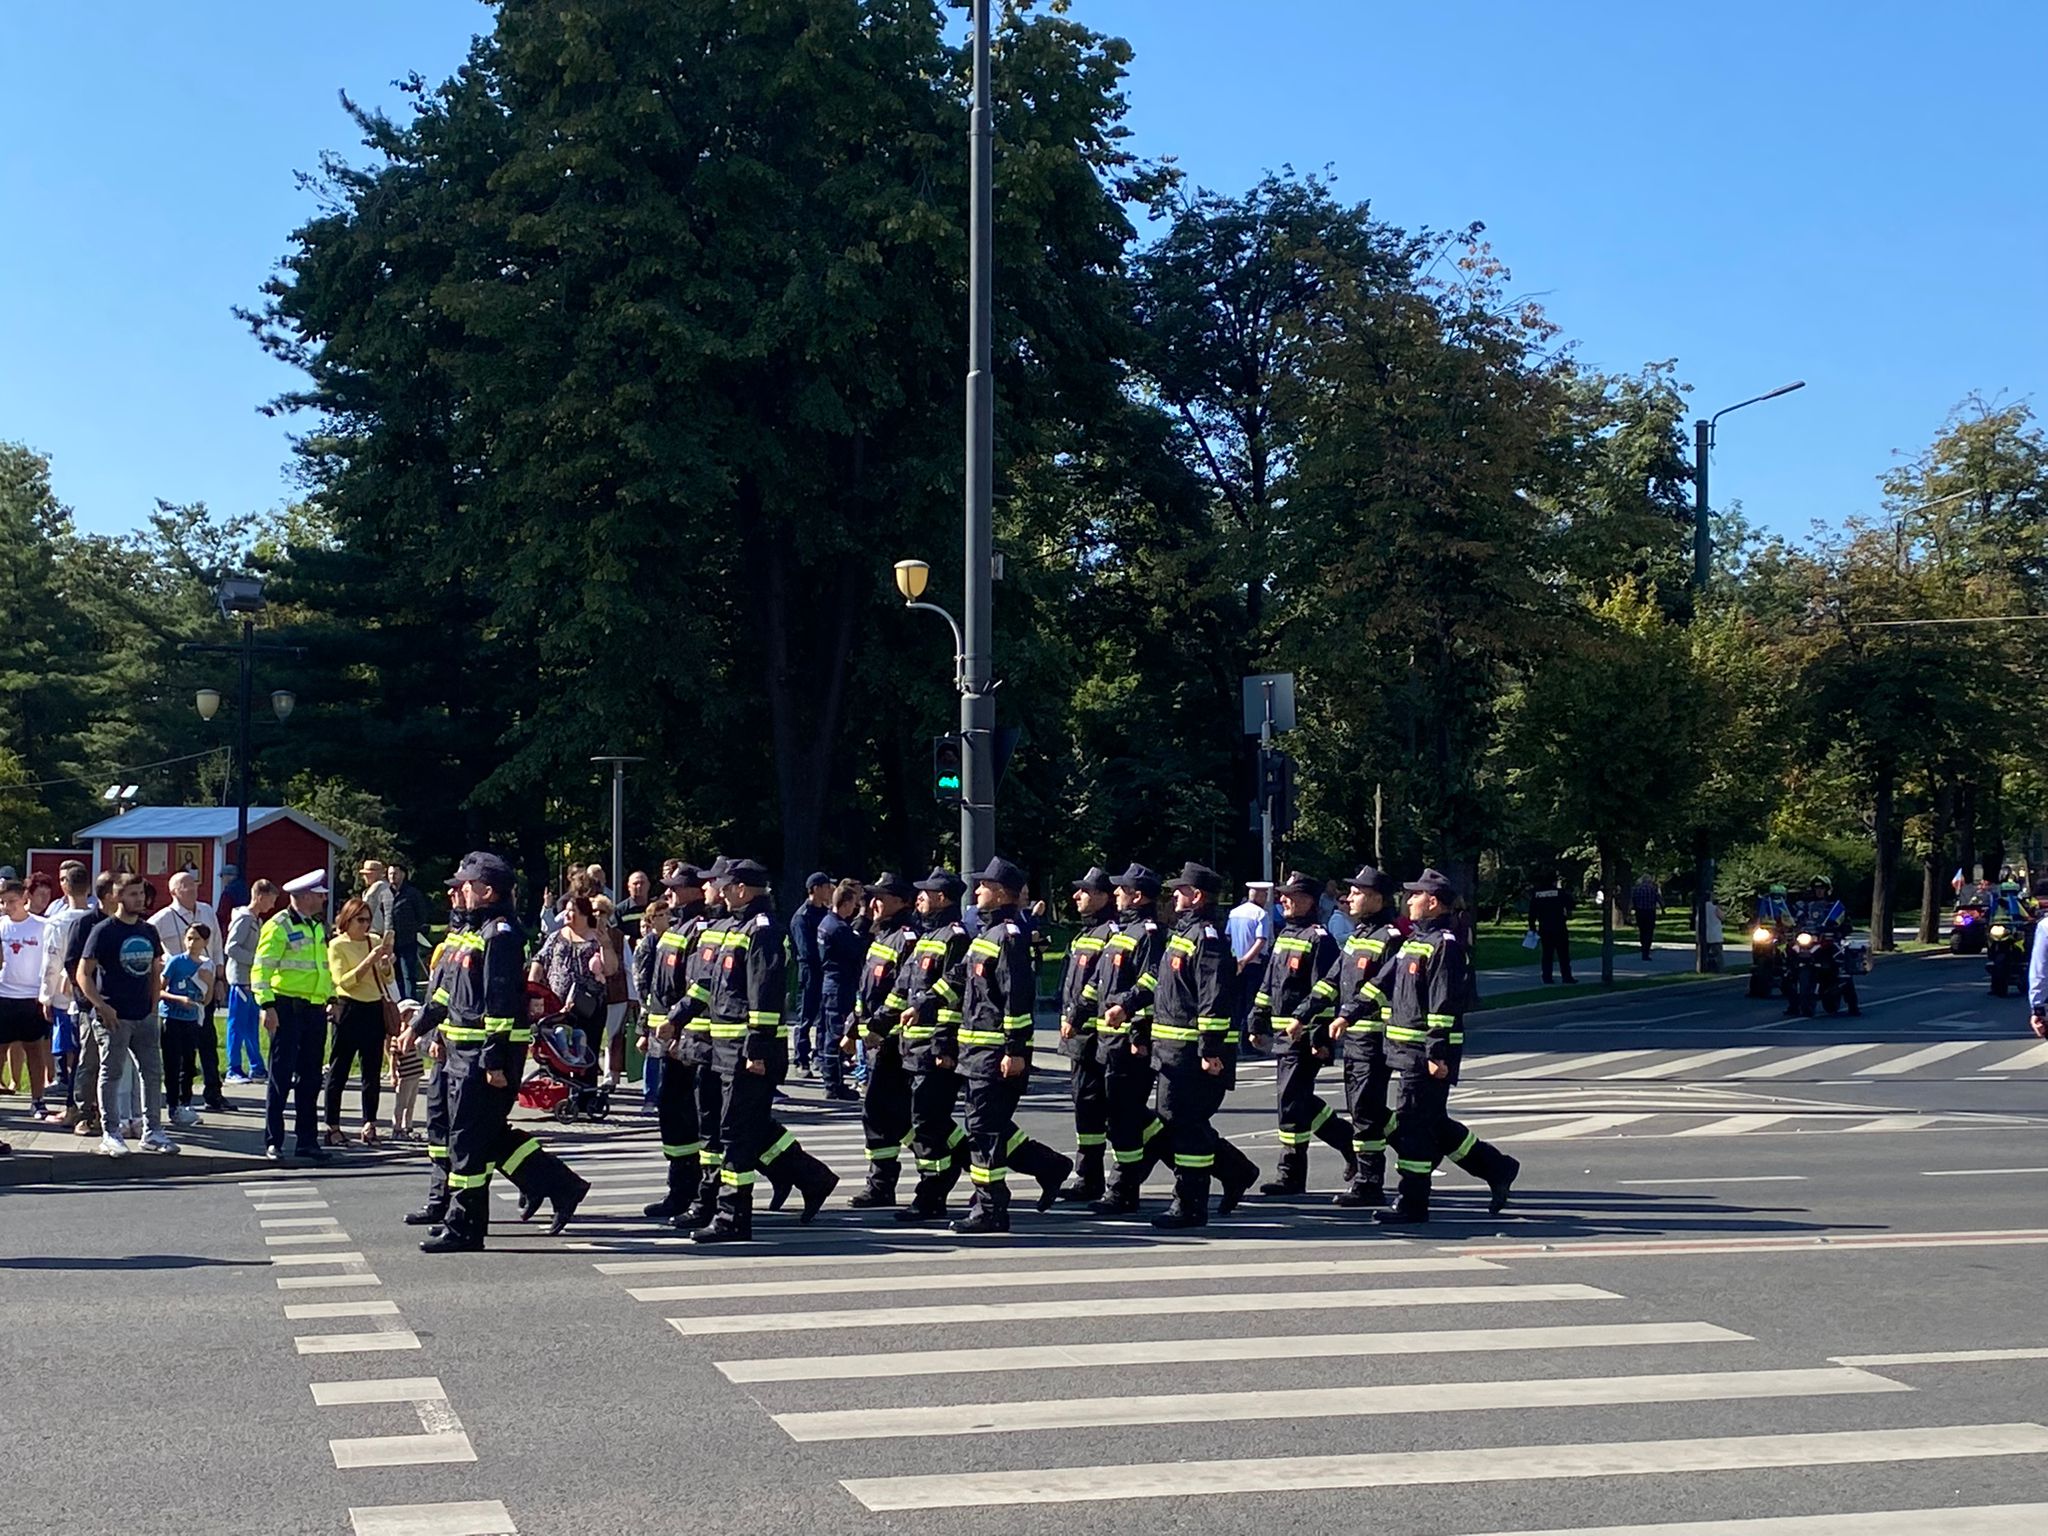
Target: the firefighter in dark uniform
pixel 1549 911
pixel 420 1032
pixel 484 1034
pixel 750 1045
pixel 1094 901
pixel 1192 994
pixel 1352 985
pixel 885 1105
pixel 682 1140
pixel 1427 981
pixel 695 1045
pixel 1303 953
pixel 1136 1135
pixel 923 1005
pixel 997 983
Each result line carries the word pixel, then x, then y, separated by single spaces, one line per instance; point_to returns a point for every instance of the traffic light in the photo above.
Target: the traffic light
pixel 947 769
pixel 1276 788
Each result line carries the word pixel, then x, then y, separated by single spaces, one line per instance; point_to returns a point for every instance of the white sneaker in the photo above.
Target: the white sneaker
pixel 272 1154
pixel 235 1077
pixel 112 1146
pixel 184 1114
pixel 157 1141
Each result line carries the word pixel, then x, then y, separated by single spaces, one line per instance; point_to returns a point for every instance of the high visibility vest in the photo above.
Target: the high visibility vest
pixel 291 961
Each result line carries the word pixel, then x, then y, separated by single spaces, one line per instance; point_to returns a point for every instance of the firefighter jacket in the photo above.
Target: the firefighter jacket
pixel 1426 979
pixel 1132 951
pixel 891 944
pixel 997 984
pixel 921 985
pixel 749 987
pixel 484 991
pixel 1079 994
pixel 1303 953
pixel 1192 992
pixel 1352 984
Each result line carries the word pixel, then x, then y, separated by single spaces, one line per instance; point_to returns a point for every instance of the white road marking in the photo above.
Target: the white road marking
pixel 300 1221
pixel 2033 1056
pixel 1584 1125
pixel 291 1239
pixel 1980 1520
pixel 977 1314
pixel 323 1282
pixel 1973 1173
pixel 853 1285
pixel 385 1389
pixel 1326 1403
pixel 310 1311
pixel 378 1343
pixel 1945 1357
pixel 1895 1123
pixel 1496 1464
pixel 1747 1178
pixel 266 1191
pixel 1684 1064
pixel 1108 1246
pixel 1800 1061
pixel 1343 1346
pixel 402 1450
pixel 1567 1066
pixel 1821 1242
pixel 291 1205
pixel 486 1517
pixel 1733 1125
pixel 1902 997
pixel 317 1258
pixel 1480 1065
pixel 1912 1060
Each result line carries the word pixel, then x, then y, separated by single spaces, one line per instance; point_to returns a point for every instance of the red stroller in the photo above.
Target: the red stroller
pixel 564 1069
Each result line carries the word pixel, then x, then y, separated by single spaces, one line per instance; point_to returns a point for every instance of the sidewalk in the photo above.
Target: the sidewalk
pixel 1667 958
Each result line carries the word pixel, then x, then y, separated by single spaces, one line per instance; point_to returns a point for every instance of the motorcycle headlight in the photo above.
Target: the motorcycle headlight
pixel 1998 930
pixel 1806 941
pixel 1761 936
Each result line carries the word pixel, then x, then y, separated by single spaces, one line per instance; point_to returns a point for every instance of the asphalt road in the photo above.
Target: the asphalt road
pixel 1727 1231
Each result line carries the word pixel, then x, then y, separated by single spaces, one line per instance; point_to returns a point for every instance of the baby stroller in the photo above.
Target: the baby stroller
pixel 564 1076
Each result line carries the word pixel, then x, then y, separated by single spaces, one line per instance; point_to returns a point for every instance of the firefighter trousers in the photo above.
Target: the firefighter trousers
pixel 1372 1122
pixel 995 1145
pixel 885 1117
pixel 482 1141
pixel 939 1145
pixel 1135 1133
pixel 682 1141
pixel 1188 1101
pixel 1304 1115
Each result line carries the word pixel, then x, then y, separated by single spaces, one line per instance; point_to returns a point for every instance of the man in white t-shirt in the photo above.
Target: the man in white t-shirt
pixel 23 1019
pixel 184 910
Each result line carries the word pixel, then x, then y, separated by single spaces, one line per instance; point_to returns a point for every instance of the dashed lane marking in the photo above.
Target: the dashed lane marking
pixel 485 1517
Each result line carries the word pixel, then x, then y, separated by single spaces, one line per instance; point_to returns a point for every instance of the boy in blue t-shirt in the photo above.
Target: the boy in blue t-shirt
pixel 188 982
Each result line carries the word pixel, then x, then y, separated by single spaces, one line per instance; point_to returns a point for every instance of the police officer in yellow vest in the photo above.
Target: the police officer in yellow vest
pixel 291 984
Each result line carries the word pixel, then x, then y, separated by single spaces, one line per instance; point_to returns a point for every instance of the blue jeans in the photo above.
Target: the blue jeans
pixel 650 1079
pixel 245 1032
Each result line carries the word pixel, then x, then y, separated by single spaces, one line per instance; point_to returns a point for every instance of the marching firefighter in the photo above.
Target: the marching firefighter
pixel 1192 994
pixel 1427 980
pixel 939 1145
pixel 996 985
pixel 694 1046
pixel 419 1032
pixel 750 1045
pixel 1303 953
pixel 885 1104
pixel 675 1101
pixel 1124 1048
pixel 1351 985
pixel 1094 902
pixel 484 1036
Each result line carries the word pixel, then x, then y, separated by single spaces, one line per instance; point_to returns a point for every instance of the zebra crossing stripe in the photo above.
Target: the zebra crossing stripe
pixel 1571 1066
pixel 977 1315
pixel 482 1517
pixel 1684 1064
pixel 2033 1056
pixel 964 1279
pixel 1328 1402
pixel 1494 1464
pixel 1108 1246
pixel 1981 1520
pixel 1799 1061
pixel 1921 1058
pixel 1342 1346
pixel 1584 1125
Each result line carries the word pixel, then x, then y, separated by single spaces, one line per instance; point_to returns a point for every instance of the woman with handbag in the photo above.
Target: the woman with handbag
pixel 572 965
pixel 361 967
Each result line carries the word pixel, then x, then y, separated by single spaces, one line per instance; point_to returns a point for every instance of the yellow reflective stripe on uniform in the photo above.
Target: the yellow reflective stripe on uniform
pixel 462 1034
pixel 981 946
pixel 681 1148
pixel 982 1037
pixel 1323 990
pixel 699 993
pixel 1217 1022
pixel 1087 946
pixel 1148 980
pixel 880 951
pixel 1441 1020
pixel 1402 1034
pixel 1374 994
pixel 1174 1032
pixel 441 996
pixel 1286 944
pixel 760 1018
pixel 1182 943
pixel 1016 1021
pixel 468 1180
pixel 1417 948
pixel 944 989
pixel 498 1021
pixel 519 1155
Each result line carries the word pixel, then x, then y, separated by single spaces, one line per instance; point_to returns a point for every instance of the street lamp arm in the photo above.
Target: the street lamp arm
pixel 1782 389
pixel 959 643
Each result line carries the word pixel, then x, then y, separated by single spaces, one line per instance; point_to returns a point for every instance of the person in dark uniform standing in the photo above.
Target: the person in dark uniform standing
pixel 1192 997
pixel 885 1106
pixel 750 1045
pixel 1427 981
pixel 1136 1135
pixel 939 1145
pixel 1352 984
pixel 1093 901
pixel 420 1032
pixel 1549 912
pixel 810 970
pixel 842 942
pixel 485 1033
pixel 1303 953
pixel 997 986
pixel 667 986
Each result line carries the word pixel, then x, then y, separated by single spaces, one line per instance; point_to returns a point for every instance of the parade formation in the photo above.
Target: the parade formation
pixel 945 1014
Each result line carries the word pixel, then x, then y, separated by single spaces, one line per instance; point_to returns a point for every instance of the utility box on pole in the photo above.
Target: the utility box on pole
pixel 1268 708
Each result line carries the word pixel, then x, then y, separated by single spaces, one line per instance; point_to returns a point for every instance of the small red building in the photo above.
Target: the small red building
pixel 156 841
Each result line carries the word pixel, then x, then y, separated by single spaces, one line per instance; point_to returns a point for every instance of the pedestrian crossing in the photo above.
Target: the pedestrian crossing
pixel 1957 1061
pixel 1170 1366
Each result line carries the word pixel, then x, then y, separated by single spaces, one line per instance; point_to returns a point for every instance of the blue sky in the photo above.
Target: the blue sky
pixel 1849 193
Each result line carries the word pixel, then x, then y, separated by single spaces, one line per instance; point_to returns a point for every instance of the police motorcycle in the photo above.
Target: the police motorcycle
pixel 1822 963
pixel 2009 932
pixel 1769 972
pixel 1970 931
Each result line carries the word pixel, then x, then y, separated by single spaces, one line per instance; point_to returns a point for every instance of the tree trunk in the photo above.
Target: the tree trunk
pixel 1966 830
pixel 1994 826
pixel 1931 864
pixel 1885 838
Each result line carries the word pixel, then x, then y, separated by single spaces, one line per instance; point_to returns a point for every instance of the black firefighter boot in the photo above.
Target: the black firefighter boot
pixel 1126 1185
pixel 1035 1160
pixel 1411 1203
pixel 929 1203
pixel 1368 1186
pixel 880 1191
pixel 685 1173
pixel 706 1205
pixel 989 1211
pixel 734 1222
pixel 1236 1173
pixel 1190 1206
pixel 1486 1161
pixel 1336 1132
pixel 1291 1177
pixel 811 1179
pixel 435 1211
pixel 542 1176
pixel 469 1217
pixel 1087 1183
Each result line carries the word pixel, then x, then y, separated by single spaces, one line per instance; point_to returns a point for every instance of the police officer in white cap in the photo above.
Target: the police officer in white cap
pixel 291 984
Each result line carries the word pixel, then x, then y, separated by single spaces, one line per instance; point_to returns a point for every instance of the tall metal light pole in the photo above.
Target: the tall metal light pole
pixel 977 708
pixel 1702 560
pixel 618 816
pixel 243 596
